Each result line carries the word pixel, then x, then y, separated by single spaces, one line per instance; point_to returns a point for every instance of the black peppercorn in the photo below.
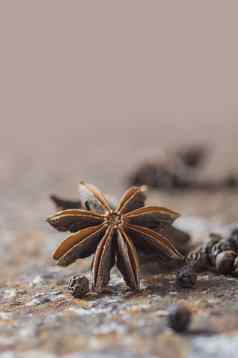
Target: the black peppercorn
pixel 217 249
pixel 179 318
pixel 186 277
pixel 78 286
pixel 225 261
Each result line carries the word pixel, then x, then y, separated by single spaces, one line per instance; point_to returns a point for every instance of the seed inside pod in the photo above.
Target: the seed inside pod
pixel 225 261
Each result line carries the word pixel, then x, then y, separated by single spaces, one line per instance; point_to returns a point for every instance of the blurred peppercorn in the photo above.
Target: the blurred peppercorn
pixel 186 277
pixel 179 318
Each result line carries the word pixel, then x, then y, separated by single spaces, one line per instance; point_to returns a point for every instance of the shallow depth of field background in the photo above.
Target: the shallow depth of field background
pixel 90 88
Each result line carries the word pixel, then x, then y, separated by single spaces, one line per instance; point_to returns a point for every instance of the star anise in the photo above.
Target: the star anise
pixel 114 236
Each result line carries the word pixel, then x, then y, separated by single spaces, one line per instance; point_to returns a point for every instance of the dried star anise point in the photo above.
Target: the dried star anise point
pixel 114 235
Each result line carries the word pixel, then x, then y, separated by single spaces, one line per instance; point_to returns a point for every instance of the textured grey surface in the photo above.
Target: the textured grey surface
pixel 38 317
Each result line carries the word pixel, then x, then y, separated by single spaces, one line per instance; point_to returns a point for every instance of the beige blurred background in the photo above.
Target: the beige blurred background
pixel 90 88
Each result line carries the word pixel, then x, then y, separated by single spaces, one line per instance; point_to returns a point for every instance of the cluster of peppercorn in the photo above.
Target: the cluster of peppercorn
pixel 178 171
pixel 219 255
pixel 171 171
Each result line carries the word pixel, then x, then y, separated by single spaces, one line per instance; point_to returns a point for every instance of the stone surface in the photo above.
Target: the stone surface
pixel 38 315
pixel 40 318
pixel 213 347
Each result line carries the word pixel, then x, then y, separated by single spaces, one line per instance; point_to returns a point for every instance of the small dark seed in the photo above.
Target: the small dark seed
pixel 186 277
pixel 179 318
pixel 225 261
pixel 78 286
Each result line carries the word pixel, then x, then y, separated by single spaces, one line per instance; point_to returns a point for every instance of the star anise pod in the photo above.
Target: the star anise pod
pixel 114 236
